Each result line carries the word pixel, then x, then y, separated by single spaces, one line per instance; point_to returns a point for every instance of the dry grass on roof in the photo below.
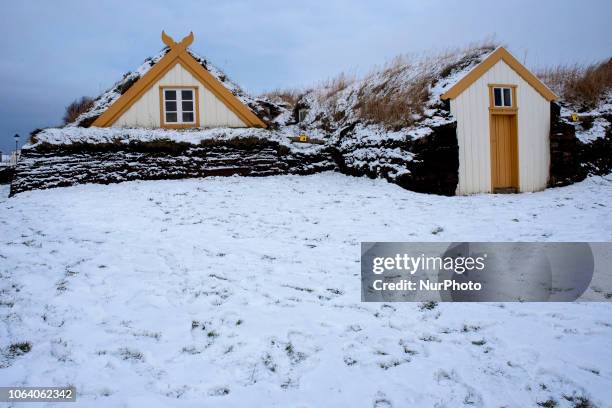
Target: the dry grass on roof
pixel 395 94
pixel 76 108
pixel 333 86
pixel 398 107
pixel 398 94
pixel 581 85
pixel 285 96
pixel 330 91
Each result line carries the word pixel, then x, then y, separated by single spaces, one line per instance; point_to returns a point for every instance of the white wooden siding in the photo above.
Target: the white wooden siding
pixel 145 111
pixel 471 109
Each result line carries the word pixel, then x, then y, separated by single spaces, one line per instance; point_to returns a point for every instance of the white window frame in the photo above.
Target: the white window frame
pixel 179 105
pixel 503 105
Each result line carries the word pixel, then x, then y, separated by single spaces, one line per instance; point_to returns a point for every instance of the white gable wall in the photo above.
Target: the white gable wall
pixel 471 109
pixel 145 111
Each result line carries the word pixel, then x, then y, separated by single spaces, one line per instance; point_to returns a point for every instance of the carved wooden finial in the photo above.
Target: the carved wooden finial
pixel 185 42
pixel 167 39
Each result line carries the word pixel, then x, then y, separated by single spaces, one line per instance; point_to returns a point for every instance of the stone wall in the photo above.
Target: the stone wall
pixel 572 160
pixel 428 164
pixel 596 157
pixel 564 151
pixel 50 166
pixel 435 167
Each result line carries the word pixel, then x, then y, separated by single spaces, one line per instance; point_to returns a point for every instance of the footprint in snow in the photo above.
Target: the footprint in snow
pixel 382 402
pixel 219 392
pixel 437 230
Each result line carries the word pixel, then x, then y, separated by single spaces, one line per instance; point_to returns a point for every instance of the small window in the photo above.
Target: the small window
pixel 179 106
pixel 507 97
pixel 171 95
pixel 302 115
pixel 502 97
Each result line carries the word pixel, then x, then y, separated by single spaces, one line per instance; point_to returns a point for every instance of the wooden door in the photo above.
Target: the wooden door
pixel 504 153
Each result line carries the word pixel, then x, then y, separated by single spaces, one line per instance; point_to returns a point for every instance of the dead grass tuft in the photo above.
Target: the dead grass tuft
pixel 284 96
pixel 329 94
pixel 77 107
pixel 578 84
pixel 469 53
pixel 337 84
pixel 394 106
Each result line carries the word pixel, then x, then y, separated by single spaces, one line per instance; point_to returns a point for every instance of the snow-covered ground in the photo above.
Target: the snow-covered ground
pixel 246 292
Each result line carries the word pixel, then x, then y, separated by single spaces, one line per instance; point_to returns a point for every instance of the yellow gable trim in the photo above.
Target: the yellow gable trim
pixel 177 54
pixel 499 54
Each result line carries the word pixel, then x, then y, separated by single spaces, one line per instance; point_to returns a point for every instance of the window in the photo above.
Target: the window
pixel 502 97
pixel 179 106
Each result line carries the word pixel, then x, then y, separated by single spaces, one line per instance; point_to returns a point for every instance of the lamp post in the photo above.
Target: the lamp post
pixel 16 146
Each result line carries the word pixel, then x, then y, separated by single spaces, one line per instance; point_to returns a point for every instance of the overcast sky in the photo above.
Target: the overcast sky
pixel 56 51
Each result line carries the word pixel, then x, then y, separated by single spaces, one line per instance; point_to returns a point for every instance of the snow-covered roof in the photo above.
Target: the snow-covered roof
pixel 263 108
pixel 76 135
pixel 108 97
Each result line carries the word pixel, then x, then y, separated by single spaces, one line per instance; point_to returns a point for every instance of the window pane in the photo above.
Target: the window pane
pixel 497 97
pixel 507 97
pixel 187 116
pixel 171 117
pixel 187 106
pixel 170 95
pixel 170 106
pixel 187 95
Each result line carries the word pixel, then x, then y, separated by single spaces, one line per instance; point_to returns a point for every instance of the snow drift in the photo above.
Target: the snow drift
pixel 226 292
